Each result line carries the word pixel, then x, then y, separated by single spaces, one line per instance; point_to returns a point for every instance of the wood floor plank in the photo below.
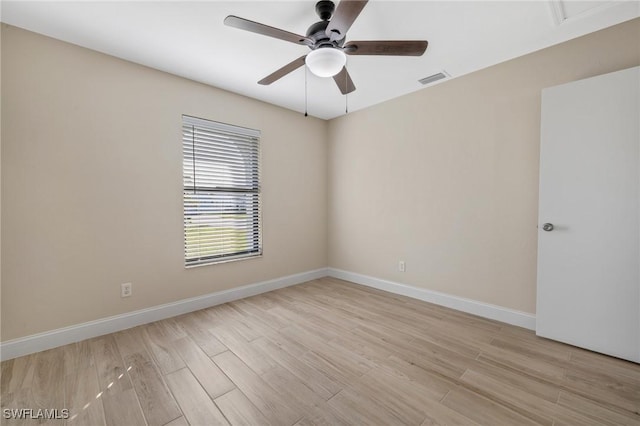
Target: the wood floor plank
pixel 315 308
pixel 194 402
pixel 77 356
pixel 305 336
pixel 455 343
pixel 239 410
pixel 112 374
pixel 536 387
pixel 130 341
pixel 531 365
pixel 367 349
pixel 303 323
pixel 247 328
pixel 6 401
pixel 441 415
pixel 81 388
pixel 17 373
pixel 382 334
pixel 122 408
pixel 160 343
pixel 247 308
pixel 119 399
pixel 262 301
pixel 537 409
pixel 603 363
pixel 48 379
pixel 330 368
pixel 436 364
pixel 613 389
pixel 413 372
pixel 180 421
pixel 293 389
pixel 248 353
pixel 325 416
pixel 21 399
pixel 603 414
pixel 313 378
pixel 157 403
pixel 287 344
pixel 358 409
pixel 399 310
pixel 272 405
pixel 212 379
pixel 408 381
pixel 155 400
pixel 260 326
pixel 348 363
pixel 554 356
pixel 483 411
pixel 403 398
pixel 197 325
pixel 6 373
pixel 477 338
pixel 169 330
pixel 427 347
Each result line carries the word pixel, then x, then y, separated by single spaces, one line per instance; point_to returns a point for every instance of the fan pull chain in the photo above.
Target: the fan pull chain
pixel 306 90
pixel 346 95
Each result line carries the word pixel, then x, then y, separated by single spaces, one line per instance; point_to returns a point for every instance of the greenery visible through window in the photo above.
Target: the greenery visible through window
pixel 221 180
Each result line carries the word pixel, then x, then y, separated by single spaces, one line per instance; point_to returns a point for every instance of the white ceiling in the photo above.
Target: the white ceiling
pixel 189 39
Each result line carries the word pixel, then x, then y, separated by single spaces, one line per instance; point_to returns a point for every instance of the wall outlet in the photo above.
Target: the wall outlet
pixel 402 266
pixel 126 289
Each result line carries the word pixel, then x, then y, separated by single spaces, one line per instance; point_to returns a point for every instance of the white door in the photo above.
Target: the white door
pixel 588 291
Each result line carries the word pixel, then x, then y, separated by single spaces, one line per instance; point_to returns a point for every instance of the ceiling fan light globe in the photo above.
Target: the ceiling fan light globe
pixel 326 61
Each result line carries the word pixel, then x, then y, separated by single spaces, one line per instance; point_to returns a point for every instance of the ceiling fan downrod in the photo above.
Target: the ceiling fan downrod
pixel 324 9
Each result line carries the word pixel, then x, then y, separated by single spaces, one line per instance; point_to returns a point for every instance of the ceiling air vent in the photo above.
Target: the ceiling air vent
pixel 434 77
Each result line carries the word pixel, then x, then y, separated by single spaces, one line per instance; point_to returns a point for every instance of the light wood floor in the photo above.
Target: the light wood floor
pixel 325 352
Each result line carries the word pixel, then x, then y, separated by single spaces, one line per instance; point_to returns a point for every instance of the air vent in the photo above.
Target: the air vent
pixel 433 78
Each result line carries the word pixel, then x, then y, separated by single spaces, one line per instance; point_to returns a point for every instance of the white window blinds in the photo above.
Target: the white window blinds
pixel 221 179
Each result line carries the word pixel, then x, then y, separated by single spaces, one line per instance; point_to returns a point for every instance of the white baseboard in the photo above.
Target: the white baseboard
pixel 75 333
pixel 485 310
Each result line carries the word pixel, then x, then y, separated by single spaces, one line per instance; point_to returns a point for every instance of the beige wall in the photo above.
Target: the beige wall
pixel 0 181
pixel 447 178
pixel 91 186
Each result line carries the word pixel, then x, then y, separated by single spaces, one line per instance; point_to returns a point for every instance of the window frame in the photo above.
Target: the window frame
pixel 251 142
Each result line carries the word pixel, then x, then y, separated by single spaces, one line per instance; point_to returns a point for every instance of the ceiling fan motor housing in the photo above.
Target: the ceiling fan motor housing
pixel 317 32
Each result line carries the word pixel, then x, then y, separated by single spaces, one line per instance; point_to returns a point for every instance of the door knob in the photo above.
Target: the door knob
pixel 547 227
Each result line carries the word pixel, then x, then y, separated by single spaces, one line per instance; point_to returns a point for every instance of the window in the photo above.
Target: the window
pixel 221 179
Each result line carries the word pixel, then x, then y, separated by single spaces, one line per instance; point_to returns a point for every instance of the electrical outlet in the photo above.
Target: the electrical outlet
pixel 402 266
pixel 126 289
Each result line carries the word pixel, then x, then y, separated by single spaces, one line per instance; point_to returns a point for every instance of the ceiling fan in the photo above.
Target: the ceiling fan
pixel 326 39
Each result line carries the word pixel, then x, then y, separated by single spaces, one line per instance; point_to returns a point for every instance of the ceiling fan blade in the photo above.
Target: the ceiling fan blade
pixel 258 28
pixel 391 48
pixel 291 66
pixel 346 12
pixel 344 82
